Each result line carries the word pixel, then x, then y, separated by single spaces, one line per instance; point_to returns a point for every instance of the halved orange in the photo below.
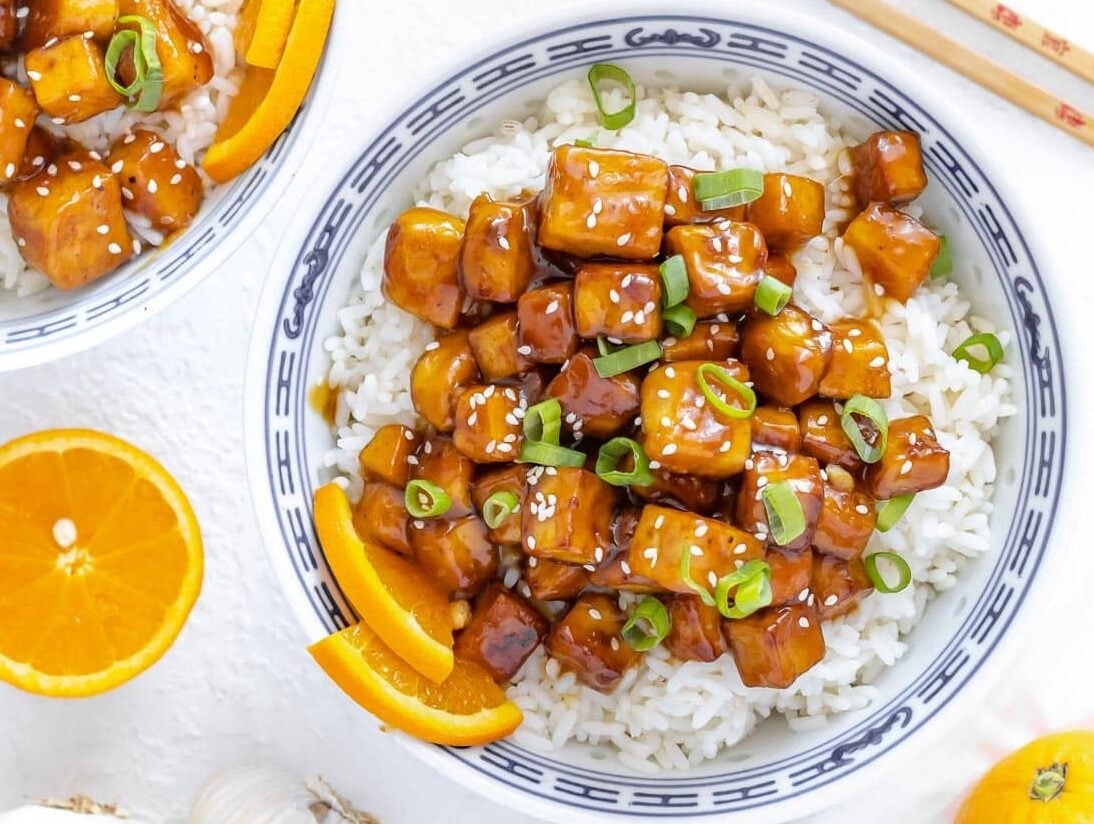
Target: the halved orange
pixel 466 710
pixel 100 562
pixel 269 98
pixel 392 595
pixel 262 30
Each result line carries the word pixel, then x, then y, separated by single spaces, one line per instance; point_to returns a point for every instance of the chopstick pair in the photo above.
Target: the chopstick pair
pixel 987 73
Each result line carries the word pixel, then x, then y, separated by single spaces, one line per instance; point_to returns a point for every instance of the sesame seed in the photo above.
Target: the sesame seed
pixel 682 192
pixel 432 345
pixel 854 333
pixel 906 467
pixel 114 249
pixel 670 449
pixel 701 529
pixel 590 221
pixel 20 123
pixel 847 345
pixel 659 522
pixel 531 542
pixel 614 644
pixel 43 191
pixel 689 424
pixel 74 98
pixel 712 578
pixel 740 549
pixel 862 509
pixel 789 192
pixel 9 170
pixel 524 350
pixel 879 290
pixel 627 317
pixel 97 182
pixel 103 229
pixel 804 594
pixel 117 167
pixel 670 209
pixel 589 567
pixel 664 394
pixel 613 296
pixel 655 464
pixel 770 354
pixel 598 206
pixel 552 307
pixel 803 622
pixel 503 241
pixel 877 362
pixel 34 75
pixel 156 147
pixel 180 164
pixel 153 187
pixel 623 565
pixel 176 179
pixel 594 168
pixel 726 446
pixel 822 420
pixel 670 372
pixel 666 420
pixel 623 239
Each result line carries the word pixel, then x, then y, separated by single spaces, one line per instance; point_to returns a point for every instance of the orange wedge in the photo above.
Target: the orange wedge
pixel 262 30
pixel 100 562
pixel 393 596
pixel 268 99
pixel 466 710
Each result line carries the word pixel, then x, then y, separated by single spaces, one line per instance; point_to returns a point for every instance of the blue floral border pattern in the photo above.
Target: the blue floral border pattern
pixel 746 47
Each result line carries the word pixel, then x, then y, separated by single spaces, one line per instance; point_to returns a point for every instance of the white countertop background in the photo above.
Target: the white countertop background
pixel 239 686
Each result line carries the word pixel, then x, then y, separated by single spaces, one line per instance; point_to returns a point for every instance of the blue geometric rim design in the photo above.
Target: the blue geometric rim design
pixel 736 44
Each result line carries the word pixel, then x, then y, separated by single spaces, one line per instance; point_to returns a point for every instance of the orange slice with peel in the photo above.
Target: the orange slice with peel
pixel 392 595
pixel 269 98
pixel 100 562
pixel 262 30
pixel 467 709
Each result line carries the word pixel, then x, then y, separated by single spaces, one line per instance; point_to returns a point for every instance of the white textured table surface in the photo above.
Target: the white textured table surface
pixel 238 685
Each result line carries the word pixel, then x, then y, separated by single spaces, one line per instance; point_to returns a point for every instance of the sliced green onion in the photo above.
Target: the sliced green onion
pixel 785 517
pixel 599 72
pixel 717 399
pixel 648 625
pixel 148 84
pixel 549 454
pixel 680 320
pixel 685 576
pixel 723 190
pixel 903 571
pixel 498 507
pixel 751 588
pixel 604 347
pixel 607 463
pixel 674 274
pixel 772 295
pixel 588 142
pixel 543 422
pixel 892 510
pixel 872 411
pixel 426 500
pixel 992 348
pixel 943 261
pixel 122 40
pixel 627 358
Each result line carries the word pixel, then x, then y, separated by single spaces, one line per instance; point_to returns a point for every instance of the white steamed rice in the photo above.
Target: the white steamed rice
pixel 190 127
pixel 667 714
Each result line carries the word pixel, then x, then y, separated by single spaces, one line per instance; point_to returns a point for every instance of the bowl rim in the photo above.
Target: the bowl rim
pixel 283 160
pixel 799 26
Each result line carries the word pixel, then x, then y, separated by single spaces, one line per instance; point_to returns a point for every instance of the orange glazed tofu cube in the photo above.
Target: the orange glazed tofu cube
pixel 823 437
pixel 496 262
pixel 380 517
pixel 488 423
pixel 775 646
pixel 838 585
pixel 70 226
pixel 888 168
pixel 17 113
pixel 896 251
pixel 494 344
pixel 913 460
pixel 725 262
pixel 780 268
pixel 691 492
pixel 790 575
pixel 553 580
pixel 9 23
pixel 504 630
pixel 768 469
pixel 695 632
pixel 714 340
pixel 587 642
pixel 456 554
pixel 42 149
pixel 387 456
pixel 545 323
pixel 847 520
pixel 423 246
pixel 859 363
pixel 446 364
pixel 51 19
pixel 790 211
pixel 618 301
pixel 69 80
pixel 567 516
pixel 603 202
pixel 439 462
pixel 663 535
pixel 595 406
pixel 502 479
pixel 186 57
pixel 787 355
pixel 685 434
pixel 772 426
pixel 681 207
pixel 156 182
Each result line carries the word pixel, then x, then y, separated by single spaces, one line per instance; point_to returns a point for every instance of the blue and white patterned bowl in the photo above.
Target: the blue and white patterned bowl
pixel 52 324
pixel 775 774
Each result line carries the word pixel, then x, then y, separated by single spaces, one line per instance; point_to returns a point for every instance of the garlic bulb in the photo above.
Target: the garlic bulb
pixel 76 811
pixel 268 794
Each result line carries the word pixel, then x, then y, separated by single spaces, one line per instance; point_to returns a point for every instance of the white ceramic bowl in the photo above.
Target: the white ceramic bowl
pixel 52 323
pixel 776 774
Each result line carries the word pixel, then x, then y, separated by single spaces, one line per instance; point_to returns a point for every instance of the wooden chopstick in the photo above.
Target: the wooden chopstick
pixel 1031 34
pixel 975 67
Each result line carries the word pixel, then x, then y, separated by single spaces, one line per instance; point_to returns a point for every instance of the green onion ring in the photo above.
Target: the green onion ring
pixel 685 576
pixel 609 71
pixel 498 507
pixel 772 295
pixel 627 358
pixel 751 587
pixel 437 501
pixel 990 343
pixel 648 625
pixel 723 190
pixel 873 412
pixel 674 276
pixel 904 571
pixel 607 463
pixel 680 320
pixel 543 422
pixel 151 88
pixel 891 511
pixel 122 40
pixel 722 376
pixel 943 261
pixel 785 516
pixel 549 454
